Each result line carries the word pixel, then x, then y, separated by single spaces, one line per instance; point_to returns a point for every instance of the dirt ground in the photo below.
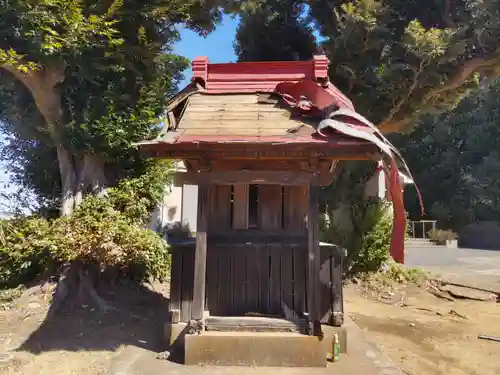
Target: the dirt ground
pixel 80 340
pixel 429 335
pixel 424 334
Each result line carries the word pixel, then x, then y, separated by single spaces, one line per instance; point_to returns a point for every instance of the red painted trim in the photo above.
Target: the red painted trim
pixel 292 139
pixel 200 68
pixel 262 76
pixel 321 63
pixel 397 249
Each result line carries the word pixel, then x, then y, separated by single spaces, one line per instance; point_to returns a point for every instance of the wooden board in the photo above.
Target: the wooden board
pixel 175 280
pixel 187 283
pixel 240 283
pixel 212 274
pixel 265 287
pixel 270 207
pixel 313 256
pixel 299 279
pixel 224 282
pixel 244 279
pixel 253 280
pixel 295 208
pixel 286 291
pixel 330 277
pixel 258 177
pixel 200 256
pixel 275 259
pixel 220 208
pixel 240 206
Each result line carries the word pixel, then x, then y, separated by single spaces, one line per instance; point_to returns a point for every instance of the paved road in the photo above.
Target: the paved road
pixel 465 264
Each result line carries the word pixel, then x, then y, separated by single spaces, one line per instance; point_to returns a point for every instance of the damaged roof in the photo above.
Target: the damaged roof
pixel 255 118
pixel 255 102
pixel 271 103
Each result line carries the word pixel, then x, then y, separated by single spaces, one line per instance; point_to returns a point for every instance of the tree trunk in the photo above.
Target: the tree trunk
pixel 79 175
pixel 68 180
pixel 94 178
pixel 77 280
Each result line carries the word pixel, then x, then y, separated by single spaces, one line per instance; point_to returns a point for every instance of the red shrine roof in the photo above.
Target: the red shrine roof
pixel 277 102
pixel 263 76
pixel 274 103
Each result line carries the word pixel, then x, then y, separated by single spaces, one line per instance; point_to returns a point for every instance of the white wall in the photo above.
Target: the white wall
pixel 180 205
pixel 189 206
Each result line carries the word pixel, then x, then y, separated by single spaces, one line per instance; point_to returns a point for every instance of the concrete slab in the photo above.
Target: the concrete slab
pixel 268 349
pixel 364 358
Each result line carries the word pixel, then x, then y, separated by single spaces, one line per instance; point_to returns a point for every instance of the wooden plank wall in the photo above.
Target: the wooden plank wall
pixel 265 278
pixel 270 207
pixel 280 208
pixel 295 209
pixel 220 209
pixel 262 279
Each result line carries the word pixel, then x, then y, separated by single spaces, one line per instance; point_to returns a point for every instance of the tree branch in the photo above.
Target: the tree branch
pixel 42 85
pixel 394 126
pixel 448 20
pixel 395 109
pixel 390 125
pixel 465 71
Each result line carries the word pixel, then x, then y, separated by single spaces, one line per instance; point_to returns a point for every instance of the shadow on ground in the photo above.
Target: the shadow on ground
pixel 137 319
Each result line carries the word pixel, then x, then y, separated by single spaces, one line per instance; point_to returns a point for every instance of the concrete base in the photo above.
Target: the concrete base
pixel 175 334
pixel 452 244
pixel 254 349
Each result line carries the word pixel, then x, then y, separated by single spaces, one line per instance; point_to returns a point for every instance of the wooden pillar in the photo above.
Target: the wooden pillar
pixel 200 256
pixel 313 260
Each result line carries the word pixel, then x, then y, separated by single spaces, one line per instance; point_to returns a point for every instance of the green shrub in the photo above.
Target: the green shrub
pixel 137 197
pixel 368 240
pixel 99 235
pixel 103 233
pixel 440 236
pixel 25 245
pixel 96 234
pixel 399 273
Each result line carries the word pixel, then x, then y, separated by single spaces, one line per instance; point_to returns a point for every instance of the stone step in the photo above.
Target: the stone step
pixel 253 324
pixel 267 349
pixel 419 242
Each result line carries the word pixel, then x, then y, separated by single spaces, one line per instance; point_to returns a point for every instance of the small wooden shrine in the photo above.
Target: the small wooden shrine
pixel 259 140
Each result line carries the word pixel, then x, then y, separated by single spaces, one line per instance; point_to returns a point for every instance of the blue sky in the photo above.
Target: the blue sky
pixel 218 46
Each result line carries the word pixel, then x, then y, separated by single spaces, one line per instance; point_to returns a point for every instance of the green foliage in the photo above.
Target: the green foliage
pixel 367 235
pixel 105 232
pixel 392 272
pixel 137 197
pixel 457 177
pixel 397 61
pixel 440 236
pixel 400 60
pixel 373 222
pixel 274 31
pixel 108 68
pixel 24 249
pixel 362 226
pixel 96 233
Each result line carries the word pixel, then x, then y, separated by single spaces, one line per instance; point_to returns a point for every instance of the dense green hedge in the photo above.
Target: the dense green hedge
pixel 107 232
